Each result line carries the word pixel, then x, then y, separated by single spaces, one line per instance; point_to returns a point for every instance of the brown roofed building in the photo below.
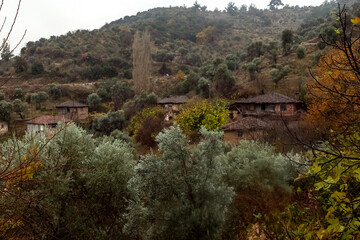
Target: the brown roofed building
pixel 73 110
pixel 271 104
pixel 245 128
pixel 172 105
pixel 40 123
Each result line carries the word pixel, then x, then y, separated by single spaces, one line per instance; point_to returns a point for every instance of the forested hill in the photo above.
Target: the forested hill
pixel 187 39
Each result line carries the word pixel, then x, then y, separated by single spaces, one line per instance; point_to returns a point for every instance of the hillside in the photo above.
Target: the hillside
pixel 186 39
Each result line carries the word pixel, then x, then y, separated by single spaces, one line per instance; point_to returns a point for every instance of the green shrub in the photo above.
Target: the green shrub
pixel 69 177
pixel 18 93
pixel 211 115
pixel 182 185
pixel 279 73
pixel 145 125
pixel 5 110
pixel 300 52
pixel 37 68
pixel 108 123
pixel 94 100
pixel 2 95
pixel 54 91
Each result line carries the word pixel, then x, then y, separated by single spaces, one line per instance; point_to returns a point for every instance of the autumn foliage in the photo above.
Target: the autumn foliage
pixel 335 92
pixel 206 36
pixel 145 125
pixel 211 115
pixel 335 114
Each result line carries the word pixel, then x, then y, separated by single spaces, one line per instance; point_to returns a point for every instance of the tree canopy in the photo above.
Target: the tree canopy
pixel 210 114
pixel 181 193
pixel 274 4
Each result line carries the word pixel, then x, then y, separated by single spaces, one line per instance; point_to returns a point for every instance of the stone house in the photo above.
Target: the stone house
pixel 4 127
pixel 73 110
pixel 271 104
pixel 172 105
pixel 248 128
pixel 40 123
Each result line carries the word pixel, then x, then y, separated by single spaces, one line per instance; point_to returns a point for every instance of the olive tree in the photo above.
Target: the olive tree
pixel 69 186
pixel 181 193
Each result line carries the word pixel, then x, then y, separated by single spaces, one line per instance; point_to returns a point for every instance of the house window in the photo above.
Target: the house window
pixel 283 107
pixel 263 106
pixel 270 108
pixel 67 109
pixel 240 133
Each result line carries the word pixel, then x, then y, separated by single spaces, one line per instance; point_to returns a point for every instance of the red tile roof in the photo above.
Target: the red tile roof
pixel 48 120
pixel 71 104
pixel 174 100
pixel 270 98
pixel 246 123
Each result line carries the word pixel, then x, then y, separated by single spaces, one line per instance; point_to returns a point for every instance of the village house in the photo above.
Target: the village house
pixel 4 127
pixel 271 104
pixel 73 110
pixel 248 128
pixel 172 105
pixel 40 123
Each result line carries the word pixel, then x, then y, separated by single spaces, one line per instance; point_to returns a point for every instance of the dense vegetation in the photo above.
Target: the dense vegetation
pixel 187 39
pixel 74 185
pixel 126 173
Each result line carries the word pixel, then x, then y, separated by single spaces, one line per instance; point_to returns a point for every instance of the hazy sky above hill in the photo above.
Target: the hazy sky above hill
pixel 44 18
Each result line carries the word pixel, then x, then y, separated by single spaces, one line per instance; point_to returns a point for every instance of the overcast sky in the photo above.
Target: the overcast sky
pixel 44 18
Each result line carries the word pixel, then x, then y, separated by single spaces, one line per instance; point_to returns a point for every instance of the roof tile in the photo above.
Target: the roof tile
pixel 270 98
pixel 246 123
pixel 47 120
pixel 71 103
pixel 173 99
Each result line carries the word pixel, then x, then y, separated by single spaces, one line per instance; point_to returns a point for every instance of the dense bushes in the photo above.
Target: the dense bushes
pixel 262 180
pixel 70 186
pixel 145 125
pixel 55 91
pixel 224 81
pixel 75 186
pixel 182 185
pixel 211 115
pixel 20 107
pixel 279 73
pixel 163 55
pixel 36 98
pixel 188 84
pixel 141 101
pixel 253 67
pixel 94 101
pixel 5 110
pixel 108 123
pixel 116 90
pixel 300 52
pixel 37 68
pixel 99 71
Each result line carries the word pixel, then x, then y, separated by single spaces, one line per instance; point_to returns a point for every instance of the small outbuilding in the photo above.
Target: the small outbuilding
pixel 40 123
pixel 4 127
pixel 73 110
pixel 172 105
pixel 248 128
